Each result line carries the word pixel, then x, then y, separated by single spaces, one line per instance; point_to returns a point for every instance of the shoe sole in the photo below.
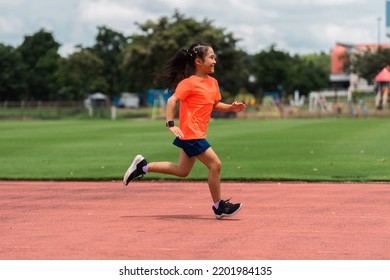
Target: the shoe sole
pixel 132 168
pixel 228 215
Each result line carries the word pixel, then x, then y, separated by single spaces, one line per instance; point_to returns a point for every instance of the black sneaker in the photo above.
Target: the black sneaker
pixel 135 169
pixel 226 209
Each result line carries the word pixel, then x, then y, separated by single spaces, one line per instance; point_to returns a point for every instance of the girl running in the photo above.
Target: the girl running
pixel 198 93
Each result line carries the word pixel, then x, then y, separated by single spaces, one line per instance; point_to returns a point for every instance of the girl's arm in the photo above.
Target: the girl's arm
pixel 171 108
pixel 235 107
pixel 170 115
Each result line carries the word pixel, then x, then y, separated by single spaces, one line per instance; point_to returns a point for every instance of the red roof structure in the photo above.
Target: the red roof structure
pixel 384 75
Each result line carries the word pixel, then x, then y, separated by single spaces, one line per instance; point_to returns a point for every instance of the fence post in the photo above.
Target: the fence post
pixel 113 112
pixel 90 111
pixel 22 104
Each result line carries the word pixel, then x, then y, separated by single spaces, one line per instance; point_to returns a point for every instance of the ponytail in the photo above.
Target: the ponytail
pixel 182 64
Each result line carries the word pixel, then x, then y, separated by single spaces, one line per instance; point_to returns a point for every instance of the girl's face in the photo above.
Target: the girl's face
pixel 206 66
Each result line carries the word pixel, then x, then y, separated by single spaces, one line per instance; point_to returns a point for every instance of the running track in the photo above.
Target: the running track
pixel 150 220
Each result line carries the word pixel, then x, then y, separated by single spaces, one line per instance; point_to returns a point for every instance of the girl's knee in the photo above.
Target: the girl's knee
pixel 216 166
pixel 183 173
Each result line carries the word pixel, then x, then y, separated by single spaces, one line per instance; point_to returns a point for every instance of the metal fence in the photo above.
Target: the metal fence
pixel 41 110
pixel 341 107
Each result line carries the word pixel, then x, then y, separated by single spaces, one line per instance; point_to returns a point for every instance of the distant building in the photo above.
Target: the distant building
pixel 340 78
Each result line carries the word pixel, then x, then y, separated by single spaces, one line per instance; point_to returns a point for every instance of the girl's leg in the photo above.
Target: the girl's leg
pixel 211 160
pixel 182 169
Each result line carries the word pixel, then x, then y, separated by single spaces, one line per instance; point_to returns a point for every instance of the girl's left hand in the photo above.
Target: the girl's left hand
pixel 237 106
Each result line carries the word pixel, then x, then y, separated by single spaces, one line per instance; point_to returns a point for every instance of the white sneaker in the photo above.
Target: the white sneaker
pixel 135 169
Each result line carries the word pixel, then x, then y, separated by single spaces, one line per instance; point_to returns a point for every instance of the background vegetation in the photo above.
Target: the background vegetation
pixel 126 63
pixel 290 149
pixel 98 149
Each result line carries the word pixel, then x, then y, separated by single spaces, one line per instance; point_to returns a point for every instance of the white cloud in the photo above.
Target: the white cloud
pixel 294 25
pixel 109 12
pixel 255 37
pixel 347 35
pixel 102 11
pixel 317 2
pixel 67 49
pixel 10 2
pixel 10 24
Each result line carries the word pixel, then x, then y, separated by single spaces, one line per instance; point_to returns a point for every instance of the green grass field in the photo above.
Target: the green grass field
pixel 250 149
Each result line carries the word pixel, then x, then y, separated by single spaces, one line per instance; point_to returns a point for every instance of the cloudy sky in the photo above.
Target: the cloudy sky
pixel 295 26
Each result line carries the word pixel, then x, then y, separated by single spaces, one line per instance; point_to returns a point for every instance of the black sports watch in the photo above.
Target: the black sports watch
pixel 170 124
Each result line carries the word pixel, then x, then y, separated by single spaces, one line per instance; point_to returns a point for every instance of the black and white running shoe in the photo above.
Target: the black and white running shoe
pixel 226 209
pixel 135 169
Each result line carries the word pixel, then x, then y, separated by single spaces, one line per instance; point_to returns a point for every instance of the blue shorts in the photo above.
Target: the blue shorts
pixel 192 147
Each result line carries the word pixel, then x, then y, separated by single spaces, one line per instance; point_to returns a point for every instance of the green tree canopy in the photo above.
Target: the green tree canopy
pixel 81 73
pixel 12 74
pixel 39 53
pixel 369 63
pixel 109 48
pixel 309 73
pixel 271 69
pixel 117 62
pixel 275 70
pixel 158 40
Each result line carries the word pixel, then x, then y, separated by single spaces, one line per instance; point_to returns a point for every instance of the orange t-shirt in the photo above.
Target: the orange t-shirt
pixel 197 98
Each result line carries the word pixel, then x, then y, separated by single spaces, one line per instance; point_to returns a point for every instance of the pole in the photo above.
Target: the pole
pixel 379 30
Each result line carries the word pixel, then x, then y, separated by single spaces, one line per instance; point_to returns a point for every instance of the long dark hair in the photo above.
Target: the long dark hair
pixel 182 64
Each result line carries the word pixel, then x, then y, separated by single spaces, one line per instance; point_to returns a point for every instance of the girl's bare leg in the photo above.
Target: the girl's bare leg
pixel 181 169
pixel 211 160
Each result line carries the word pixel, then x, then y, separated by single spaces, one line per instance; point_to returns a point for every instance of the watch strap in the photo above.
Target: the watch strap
pixel 170 124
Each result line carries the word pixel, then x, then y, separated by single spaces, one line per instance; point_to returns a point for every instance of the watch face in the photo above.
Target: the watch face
pixel 170 123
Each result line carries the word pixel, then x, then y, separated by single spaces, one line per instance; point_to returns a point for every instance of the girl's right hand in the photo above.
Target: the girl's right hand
pixel 176 131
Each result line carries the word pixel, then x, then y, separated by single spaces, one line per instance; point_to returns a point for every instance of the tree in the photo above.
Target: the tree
pixel 309 72
pixel 369 63
pixel 117 63
pixel 277 71
pixel 12 74
pixel 109 48
pixel 81 73
pixel 158 40
pixel 39 53
pixel 271 69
